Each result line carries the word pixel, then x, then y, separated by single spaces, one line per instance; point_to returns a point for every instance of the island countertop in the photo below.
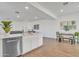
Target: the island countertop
pixel 10 35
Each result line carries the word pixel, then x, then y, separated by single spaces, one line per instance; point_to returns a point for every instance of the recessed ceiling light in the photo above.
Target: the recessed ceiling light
pixel 18 16
pixel 61 10
pixel 26 7
pixel 36 17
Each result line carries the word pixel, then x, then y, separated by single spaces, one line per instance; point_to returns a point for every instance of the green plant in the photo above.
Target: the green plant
pixel 6 26
pixel 76 33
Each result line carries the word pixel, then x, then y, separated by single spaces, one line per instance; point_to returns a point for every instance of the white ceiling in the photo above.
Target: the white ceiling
pixel 55 7
pixel 8 9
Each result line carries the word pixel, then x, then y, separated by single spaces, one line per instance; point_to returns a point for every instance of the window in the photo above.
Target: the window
pixel 36 26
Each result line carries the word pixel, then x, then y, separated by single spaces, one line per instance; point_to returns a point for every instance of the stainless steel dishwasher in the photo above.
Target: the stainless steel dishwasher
pixel 12 47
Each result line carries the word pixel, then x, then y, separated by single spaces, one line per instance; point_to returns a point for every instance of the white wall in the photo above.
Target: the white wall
pixel 47 27
pixel 72 17
pixel 18 25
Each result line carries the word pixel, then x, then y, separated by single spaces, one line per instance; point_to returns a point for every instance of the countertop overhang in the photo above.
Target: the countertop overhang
pixel 10 36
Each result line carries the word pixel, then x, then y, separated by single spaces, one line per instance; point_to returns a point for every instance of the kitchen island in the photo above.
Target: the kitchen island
pixel 18 44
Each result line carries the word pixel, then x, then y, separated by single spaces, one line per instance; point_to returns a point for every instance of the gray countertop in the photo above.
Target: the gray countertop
pixel 9 36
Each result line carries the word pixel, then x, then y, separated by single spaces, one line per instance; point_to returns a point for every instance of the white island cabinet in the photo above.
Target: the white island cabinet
pixel 15 44
pixel 37 41
pixel 32 41
pixel 27 44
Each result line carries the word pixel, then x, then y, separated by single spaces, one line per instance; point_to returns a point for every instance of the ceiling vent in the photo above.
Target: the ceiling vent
pixel 65 3
pixel 17 12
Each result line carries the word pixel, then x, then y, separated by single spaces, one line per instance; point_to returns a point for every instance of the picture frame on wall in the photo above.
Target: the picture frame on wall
pixel 68 25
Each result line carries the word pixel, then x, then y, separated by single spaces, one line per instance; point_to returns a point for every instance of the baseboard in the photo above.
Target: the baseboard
pixel 49 37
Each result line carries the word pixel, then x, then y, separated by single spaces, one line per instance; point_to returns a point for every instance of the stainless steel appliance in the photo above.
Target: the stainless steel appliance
pixel 12 47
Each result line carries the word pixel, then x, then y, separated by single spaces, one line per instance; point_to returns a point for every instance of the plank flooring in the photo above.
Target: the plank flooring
pixel 52 48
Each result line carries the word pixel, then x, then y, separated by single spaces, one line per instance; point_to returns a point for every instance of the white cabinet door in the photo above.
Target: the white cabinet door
pixel 40 41
pixel 31 42
pixel 36 42
pixel 27 44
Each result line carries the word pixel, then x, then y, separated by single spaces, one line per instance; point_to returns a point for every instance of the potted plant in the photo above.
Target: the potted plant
pixel 6 26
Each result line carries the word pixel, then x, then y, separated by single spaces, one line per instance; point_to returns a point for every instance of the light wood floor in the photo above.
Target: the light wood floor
pixel 52 48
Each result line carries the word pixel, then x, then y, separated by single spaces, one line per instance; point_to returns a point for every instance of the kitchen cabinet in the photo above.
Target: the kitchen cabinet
pixel 36 42
pixel 31 42
pixel 27 44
